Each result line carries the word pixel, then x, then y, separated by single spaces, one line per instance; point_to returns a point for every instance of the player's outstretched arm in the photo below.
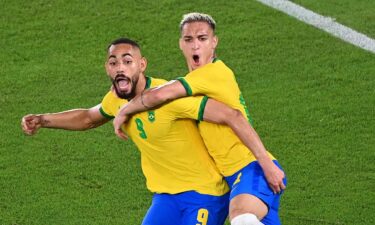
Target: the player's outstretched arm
pixel 75 119
pixel 217 112
pixel 146 100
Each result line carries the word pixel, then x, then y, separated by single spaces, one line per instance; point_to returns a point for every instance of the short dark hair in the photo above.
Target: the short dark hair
pixel 198 17
pixel 123 40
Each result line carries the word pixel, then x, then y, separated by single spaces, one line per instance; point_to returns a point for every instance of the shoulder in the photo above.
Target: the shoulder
pixel 109 96
pixel 219 64
pixel 111 100
pixel 216 67
pixel 154 82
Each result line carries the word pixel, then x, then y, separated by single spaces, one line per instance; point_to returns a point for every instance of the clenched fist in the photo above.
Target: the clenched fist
pixel 31 123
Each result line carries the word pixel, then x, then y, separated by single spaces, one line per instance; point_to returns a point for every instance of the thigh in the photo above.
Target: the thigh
pixel 199 209
pixel 251 180
pixel 163 211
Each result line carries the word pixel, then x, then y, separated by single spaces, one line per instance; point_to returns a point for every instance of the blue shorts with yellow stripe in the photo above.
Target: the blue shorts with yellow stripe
pixel 251 180
pixel 187 208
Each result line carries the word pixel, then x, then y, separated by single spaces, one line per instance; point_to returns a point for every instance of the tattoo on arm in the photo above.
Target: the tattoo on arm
pixel 44 122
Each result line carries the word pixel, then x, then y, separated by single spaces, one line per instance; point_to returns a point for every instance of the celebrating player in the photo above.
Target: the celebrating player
pixel 178 169
pixel 255 177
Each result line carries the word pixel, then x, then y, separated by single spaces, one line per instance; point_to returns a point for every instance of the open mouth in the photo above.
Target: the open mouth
pixel 196 58
pixel 122 82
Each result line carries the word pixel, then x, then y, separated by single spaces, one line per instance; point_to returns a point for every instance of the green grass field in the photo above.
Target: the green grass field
pixel 311 95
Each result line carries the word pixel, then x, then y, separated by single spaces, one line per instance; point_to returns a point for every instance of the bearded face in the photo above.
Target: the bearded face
pixel 125 86
pixel 124 66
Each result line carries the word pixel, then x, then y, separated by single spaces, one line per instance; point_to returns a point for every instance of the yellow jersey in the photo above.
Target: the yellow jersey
pixel 217 81
pixel 174 158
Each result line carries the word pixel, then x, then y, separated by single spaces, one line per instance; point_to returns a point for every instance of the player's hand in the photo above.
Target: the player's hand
pixel 274 176
pixel 31 123
pixel 117 123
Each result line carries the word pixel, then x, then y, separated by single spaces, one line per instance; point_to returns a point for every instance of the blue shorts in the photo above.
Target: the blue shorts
pixel 251 180
pixel 187 208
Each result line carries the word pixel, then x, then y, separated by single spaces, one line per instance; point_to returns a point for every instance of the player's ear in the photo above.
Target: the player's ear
pixel 143 64
pixel 215 41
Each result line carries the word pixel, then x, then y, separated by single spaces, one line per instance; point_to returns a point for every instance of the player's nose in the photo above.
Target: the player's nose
pixel 121 68
pixel 195 44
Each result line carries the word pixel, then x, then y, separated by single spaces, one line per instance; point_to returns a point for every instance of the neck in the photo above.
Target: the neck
pixel 141 85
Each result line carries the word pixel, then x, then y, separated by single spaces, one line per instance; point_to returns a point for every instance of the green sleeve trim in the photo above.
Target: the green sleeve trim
pixel 186 86
pixel 202 107
pixel 105 114
pixel 148 82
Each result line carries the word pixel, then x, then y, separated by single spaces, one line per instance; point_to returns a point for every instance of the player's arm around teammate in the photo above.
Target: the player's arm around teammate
pixel 75 119
pixel 246 133
pixel 238 159
pixel 220 113
pixel 217 112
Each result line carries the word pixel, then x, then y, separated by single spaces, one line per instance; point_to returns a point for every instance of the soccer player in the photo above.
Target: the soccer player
pixel 178 169
pixel 255 177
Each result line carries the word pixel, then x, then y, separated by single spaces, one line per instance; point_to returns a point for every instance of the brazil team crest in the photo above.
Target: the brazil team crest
pixel 151 116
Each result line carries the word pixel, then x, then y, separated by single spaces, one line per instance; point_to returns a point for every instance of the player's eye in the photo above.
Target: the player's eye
pixel 188 39
pixel 203 38
pixel 127 62
pixel 113 63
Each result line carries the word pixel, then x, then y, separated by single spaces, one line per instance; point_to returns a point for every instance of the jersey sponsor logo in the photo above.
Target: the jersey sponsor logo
pixel 151 116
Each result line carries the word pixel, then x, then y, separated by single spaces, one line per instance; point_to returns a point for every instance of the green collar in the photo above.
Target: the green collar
pixel 148 82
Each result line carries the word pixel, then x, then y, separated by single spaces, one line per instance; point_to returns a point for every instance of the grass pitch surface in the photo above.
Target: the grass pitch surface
pixel 311 96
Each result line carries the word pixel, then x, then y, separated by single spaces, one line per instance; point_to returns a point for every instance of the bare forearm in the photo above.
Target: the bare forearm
pixel 137 104
pixel 249 138
pixel 146 101
pixel 154 97
pixel 217 112
pixel 76 119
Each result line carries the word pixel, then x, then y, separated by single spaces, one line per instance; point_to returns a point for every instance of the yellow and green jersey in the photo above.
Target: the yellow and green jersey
pixel 218 82
pixel 174 158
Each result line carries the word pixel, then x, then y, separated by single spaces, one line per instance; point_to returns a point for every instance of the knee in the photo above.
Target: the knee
pixel 247 204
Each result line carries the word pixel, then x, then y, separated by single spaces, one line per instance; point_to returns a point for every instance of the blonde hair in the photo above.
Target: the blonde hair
pixel 197 17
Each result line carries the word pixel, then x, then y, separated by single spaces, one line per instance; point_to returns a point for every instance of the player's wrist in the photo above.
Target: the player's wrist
pixel 264 161
pixel 143 101
pixel 124 112
pixel 42 120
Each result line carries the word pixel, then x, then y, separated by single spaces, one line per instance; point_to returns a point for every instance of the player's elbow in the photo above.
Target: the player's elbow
pixel 232 117
pixel 87 123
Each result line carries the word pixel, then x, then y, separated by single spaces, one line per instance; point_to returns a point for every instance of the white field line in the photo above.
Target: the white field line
pixel 324 23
